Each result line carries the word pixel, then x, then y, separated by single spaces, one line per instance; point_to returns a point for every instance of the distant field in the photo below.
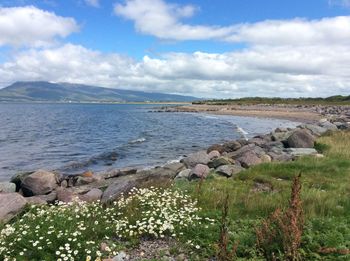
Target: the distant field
pixel 333 100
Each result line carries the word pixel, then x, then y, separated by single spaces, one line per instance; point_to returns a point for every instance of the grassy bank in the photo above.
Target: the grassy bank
pixel 325 195
pixel 191 214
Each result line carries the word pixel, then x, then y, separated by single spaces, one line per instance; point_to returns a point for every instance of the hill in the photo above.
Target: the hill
pixel 67 92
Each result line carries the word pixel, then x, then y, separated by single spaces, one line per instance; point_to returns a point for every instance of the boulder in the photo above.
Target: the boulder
pixel 18 178
pixel 228 170
pixel 184 174
pixel 301 151
pixel 329 126
pixel 231 146
pixel 249 159
pixel 265 158
pixel 40 182
pixel 86 180
pixel 216 147
pixel 282 156
pixel 315 129
pixel 200 157
pixel 11 204
pixel 7 187
pixel 200 171
pixel 301 139
pixel 66 195
pixel 93 195
pixel 176 167
pixel 238 153
pixel 35 200
pixel 49 198
pixel 220 161
pixel 214 154
pixel 280 136
pixel 119 187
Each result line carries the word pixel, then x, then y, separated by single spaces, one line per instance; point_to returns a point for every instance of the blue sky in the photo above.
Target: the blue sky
pixel 206 48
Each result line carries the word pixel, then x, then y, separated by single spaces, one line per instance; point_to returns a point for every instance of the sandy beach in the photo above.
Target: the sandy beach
pixel 305 115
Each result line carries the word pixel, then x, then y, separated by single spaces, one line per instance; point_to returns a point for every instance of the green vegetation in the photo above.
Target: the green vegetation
pixel 332 100
pixel 214 217
pixel 325 197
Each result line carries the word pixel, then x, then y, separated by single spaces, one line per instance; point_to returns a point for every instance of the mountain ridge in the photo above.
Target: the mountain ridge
pixel 43 91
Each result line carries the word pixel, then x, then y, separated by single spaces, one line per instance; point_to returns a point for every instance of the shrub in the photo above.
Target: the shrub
pixel 279 236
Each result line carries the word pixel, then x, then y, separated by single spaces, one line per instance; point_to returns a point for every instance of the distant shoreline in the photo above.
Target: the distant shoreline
pixel 85 102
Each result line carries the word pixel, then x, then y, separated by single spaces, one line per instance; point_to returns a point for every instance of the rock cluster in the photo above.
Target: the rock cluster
pixel 227 160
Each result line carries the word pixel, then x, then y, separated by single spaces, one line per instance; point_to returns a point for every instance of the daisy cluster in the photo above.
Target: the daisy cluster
pixel 90 231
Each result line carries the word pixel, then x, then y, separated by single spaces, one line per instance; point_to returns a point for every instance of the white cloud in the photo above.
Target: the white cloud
pixel 163 20
pixel 94 3
pixel 158 18
pixel 258 71
pixel 30 26
pixel 295 57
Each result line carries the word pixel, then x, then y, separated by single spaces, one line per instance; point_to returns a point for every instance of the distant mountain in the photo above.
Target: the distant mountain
pixel 67 92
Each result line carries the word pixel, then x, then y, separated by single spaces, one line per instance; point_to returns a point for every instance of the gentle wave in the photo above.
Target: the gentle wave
pixel 140 140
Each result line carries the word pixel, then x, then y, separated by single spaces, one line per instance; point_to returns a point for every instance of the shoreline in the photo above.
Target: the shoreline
pixel 292 113
pixel 224 160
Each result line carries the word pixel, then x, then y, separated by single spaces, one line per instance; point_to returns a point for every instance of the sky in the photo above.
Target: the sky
pixel 209 49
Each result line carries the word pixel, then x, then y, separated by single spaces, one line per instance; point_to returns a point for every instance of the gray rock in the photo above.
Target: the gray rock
pixel 301 151
pixel 184 174
pixel 214 154
pixel 238 153
pixel 41 182
pixel 231 146
pixel 315 129
pixel 217 147
pixel 66 195
pixel 229 170
pixel 119 187
pixel 249 159
pixel 86 180
pixel 93 195
pixel 49 198
pixel 11 204
pixel 200 157
pixel 122 256
pixel 18 178
pixel 220 161
pixel 329 126
pixel 176 167
pixel 35 200
pixel 301 139
pixel 266 158
pixel 280 136
pixel 7 187
pixel 200 171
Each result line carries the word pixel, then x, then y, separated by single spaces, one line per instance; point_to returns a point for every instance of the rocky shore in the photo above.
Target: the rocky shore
pixel 227 160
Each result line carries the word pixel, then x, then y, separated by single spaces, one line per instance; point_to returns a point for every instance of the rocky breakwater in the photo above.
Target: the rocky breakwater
pixel 227 160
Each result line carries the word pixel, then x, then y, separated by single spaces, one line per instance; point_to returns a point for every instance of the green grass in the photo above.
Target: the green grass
pixel 325 195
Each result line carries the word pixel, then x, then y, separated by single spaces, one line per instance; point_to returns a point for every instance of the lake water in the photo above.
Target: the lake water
pixel 73 138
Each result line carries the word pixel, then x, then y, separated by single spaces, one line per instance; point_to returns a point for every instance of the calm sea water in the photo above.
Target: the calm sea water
pixel 72 138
